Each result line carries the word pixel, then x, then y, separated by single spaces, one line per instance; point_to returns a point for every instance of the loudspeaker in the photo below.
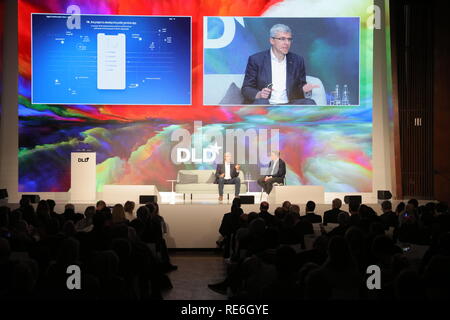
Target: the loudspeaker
pixel 3 193
pixel 143 199
pixel 357 199
pixel 34 198
pixel 247 199
pixel 384 195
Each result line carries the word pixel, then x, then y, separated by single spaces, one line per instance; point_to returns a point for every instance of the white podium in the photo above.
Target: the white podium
pixel 83 177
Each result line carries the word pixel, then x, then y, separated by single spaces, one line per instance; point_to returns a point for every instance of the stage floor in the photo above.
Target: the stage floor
pixel 177 198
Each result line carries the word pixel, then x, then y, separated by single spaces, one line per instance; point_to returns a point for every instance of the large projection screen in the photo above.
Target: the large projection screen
pixel 199 114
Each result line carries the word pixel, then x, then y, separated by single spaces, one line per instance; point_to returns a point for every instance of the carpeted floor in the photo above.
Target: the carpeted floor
pixel 195 271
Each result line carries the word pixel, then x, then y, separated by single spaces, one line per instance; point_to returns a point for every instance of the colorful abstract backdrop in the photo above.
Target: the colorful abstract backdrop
pixel 322 145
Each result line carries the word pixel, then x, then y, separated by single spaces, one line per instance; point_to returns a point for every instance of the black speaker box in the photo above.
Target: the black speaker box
pixel 3 193
pixel 34 198
pixel 247 199
pixel 384 195
pixel 143 199
pixel 348 199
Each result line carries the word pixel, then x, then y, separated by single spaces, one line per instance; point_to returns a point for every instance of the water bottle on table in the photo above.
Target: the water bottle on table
pixel 337 96
pixel 345 96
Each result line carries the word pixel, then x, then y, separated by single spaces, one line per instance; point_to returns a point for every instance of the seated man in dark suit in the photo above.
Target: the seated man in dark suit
pixel 277 76
pixel 228 173
pixel 331 216
pixel 275 174
pixel 310 216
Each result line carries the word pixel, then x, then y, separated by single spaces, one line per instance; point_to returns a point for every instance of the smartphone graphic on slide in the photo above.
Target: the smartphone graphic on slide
pixel 111 61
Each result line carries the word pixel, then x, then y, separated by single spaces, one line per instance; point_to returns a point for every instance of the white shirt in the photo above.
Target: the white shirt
pixel 279 93
pixel 274 164
pixel 227 171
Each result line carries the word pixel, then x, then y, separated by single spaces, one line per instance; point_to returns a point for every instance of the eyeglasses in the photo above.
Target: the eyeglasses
pixel 283 39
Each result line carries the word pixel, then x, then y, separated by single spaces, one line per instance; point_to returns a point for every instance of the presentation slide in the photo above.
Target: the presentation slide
pixel 111 59
pixel 323 52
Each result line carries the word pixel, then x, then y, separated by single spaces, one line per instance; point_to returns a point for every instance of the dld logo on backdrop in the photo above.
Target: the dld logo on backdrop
pixel 208 145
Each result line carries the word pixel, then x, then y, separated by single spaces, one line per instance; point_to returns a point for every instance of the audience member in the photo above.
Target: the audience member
pixel 129 210
pixel 388 218
pixel 331 216
pixel 123 254
pixel 268 218
pixel 310 216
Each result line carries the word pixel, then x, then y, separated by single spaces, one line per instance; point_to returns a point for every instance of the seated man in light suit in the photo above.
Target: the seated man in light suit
pixel 227 173
pixel 277 76
pixel 275 174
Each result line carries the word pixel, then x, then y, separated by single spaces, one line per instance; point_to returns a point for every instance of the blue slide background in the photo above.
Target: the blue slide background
pixel 158 74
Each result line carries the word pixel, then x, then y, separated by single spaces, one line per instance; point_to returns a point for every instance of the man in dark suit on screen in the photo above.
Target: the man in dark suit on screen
pixel 275 173
pixel 277 76
pixel 228 173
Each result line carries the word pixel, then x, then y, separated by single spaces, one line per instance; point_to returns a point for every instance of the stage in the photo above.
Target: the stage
pixel 195 223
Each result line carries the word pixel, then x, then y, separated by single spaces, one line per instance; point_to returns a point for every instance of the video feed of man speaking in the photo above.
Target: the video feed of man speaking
pixel 281 61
